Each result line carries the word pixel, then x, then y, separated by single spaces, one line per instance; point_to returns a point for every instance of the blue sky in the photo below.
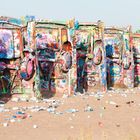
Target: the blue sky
pixel 112 12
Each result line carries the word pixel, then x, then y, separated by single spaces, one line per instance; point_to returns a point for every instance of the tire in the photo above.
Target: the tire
pixel 28 75
pixel 4 82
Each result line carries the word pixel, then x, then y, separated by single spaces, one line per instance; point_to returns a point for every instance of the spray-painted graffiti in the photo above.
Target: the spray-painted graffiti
pixel 113 44
pixel 128 61
pixel 136 49
pixel 115 72
pixel 82 42
pixel 10 53
pixel 54 59
pixel 57 57
pixel 47 45
pixel 9 44
pixel 113 48
pixel 91 72
pixel 137 74
pixel 6 44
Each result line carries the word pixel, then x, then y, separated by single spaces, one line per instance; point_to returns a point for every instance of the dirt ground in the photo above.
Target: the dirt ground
pixel 115 116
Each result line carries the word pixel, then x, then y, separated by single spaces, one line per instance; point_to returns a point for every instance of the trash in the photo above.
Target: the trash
pixel 91 94
pixel 72 110
pixel 117 106
pixel 37 109
pixel 12 120
pixel 29 116
pixel 15 108
pixel 5 124
pixel 101 115
pixel 6 110
pixel 103 108
pixel 54 104
pixel 132 102
pixel 15 99
pixel 88 109
pixel 78 94
pixel 51 110
pixel 1 105
pixel 48 100
pixel 88 116
pixel 33 99
pixel 71 127
pixel 98 95
pixel 20 113
pixel 37 101
pixel 112 103
pixel 124 95
pixel 65 96
pixel 128 102
pixel 59 113
pixel 42 108
pixel 35 126
pixel 24 100
pixel 14 116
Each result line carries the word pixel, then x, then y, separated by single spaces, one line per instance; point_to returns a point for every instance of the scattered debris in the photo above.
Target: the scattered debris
pixel 5 124
pixel 117 106
pixel 88 108
pixel 15 108
pixel 101 115
pixel 130 102
pixel 71 127
pixel 72 110
pixel 88 116
pixel 12 120
pixel 35 126
pixel 15 99
pixel 51 110
pixel 112 103
pixel 58 113
pixel 65 96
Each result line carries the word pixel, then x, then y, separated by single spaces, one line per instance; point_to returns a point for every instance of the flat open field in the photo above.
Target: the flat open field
pixel 114 115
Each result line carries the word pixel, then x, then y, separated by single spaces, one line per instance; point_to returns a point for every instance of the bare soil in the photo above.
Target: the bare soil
pixel 114 117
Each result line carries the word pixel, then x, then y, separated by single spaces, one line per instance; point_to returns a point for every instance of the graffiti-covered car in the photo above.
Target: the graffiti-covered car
pixel 91 70
pixel 119 57
pixel 53 56
pixel 10 54
pixel 136 50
